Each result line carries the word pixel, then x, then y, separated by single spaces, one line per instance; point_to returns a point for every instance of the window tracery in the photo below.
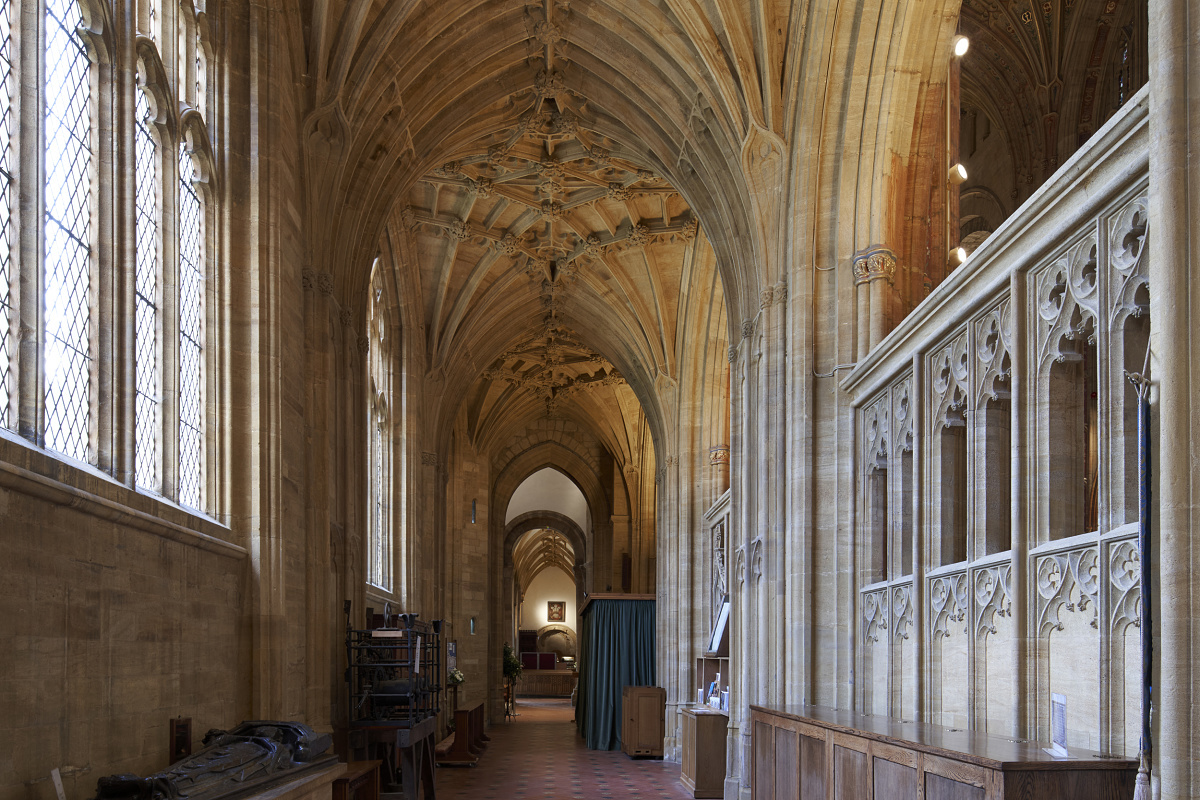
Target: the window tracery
pixel 191 335
pixel 134 406
pixel 7 311
pixel 147 357
pixel 68 233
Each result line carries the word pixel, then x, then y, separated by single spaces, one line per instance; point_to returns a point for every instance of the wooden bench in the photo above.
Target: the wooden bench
pixel 360 782
pixel 463 747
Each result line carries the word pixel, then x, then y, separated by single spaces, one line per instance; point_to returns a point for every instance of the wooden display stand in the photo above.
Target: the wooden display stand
pixel 815 753
pixel 704 734
pixel 643 713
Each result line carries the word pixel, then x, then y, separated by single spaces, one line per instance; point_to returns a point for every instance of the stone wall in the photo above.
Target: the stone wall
pixel 119 612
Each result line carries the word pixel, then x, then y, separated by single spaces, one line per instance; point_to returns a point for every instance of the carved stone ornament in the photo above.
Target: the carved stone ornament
pixel 308 278
pixel 718 454
pixel 772 295
pixel 876 619
pixel 429 459
pixel 874 263
pixel 547 32
pixel 902 610
pixel 460 230
pixel 718 543
pixel 1068 304
pixel 948 603
pixel 364 345
pixel 1067 581
pixel 549 83
pixel 732 354
pixel 993 598
pixel 757 556
pixel 639 235
pixel 483 187
pixel 510 244
pixel 747 328
pixel 325 283
pixel 346 317
pixel 617 191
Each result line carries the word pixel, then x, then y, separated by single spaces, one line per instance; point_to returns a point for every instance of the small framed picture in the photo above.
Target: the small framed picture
pixel 556 610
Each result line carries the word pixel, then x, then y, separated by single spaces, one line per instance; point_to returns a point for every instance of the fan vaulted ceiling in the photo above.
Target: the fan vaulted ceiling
pixel 552 260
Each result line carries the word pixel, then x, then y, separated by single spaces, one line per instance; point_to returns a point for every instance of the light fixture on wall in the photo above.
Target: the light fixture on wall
pixel 957 256
pixel 961 45
pixel 957 174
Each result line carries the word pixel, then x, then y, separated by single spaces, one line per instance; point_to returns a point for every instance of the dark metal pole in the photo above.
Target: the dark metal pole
pixel 1143 779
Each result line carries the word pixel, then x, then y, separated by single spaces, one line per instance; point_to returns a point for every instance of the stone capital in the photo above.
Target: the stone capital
pixel 874 263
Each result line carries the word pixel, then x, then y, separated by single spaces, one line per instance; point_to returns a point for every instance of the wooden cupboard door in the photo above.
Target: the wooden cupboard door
pixel 812 768
pixel 763 773
pixel 787 765
pixel 850 774
pixel 894 781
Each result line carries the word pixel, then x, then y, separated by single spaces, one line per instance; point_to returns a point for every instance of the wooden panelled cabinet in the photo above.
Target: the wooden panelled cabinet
pixel 814 753
pixel 704 733
pixel 643 725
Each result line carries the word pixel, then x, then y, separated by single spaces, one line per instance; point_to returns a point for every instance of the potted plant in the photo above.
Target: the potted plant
pixel 512 673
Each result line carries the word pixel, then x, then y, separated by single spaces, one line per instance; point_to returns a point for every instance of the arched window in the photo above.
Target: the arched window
pixel 68 234
pixel 192 317
pixel 379 548
pixel 147 302
pixel 380 551
pixel 7 234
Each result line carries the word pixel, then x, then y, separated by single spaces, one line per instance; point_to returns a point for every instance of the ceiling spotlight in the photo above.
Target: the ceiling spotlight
pixel 958 174
pixel 961 45
pixel 957 256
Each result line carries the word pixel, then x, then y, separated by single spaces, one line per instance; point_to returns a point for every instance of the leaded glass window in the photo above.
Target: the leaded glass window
pixel 379 547
pixel 147 423
pixel 191 336
pixel 68 200
pixel 7 312
pixel 380 553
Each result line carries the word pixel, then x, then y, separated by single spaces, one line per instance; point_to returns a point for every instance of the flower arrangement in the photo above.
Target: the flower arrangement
pixel 511 664
pixel 455 677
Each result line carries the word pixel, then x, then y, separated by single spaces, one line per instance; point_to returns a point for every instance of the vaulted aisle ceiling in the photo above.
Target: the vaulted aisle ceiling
pixel 548 241
pixel 515 155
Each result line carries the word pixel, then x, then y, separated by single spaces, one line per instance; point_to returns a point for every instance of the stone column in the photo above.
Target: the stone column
pixel 1174 97
pixel 1022 724
pixel 874 272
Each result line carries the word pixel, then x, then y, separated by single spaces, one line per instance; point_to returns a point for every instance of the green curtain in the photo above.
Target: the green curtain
pixel 616 649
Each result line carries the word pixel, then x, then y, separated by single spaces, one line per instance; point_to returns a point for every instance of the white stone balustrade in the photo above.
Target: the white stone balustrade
pixel 996 469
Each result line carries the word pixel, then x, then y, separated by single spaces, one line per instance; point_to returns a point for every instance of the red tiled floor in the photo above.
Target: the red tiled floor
pixel 541 755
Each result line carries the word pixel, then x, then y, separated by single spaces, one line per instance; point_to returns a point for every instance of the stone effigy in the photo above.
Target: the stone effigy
pixel 232 764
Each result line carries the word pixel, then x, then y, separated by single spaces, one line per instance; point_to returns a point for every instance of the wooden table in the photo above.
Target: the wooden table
pixel 815 753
